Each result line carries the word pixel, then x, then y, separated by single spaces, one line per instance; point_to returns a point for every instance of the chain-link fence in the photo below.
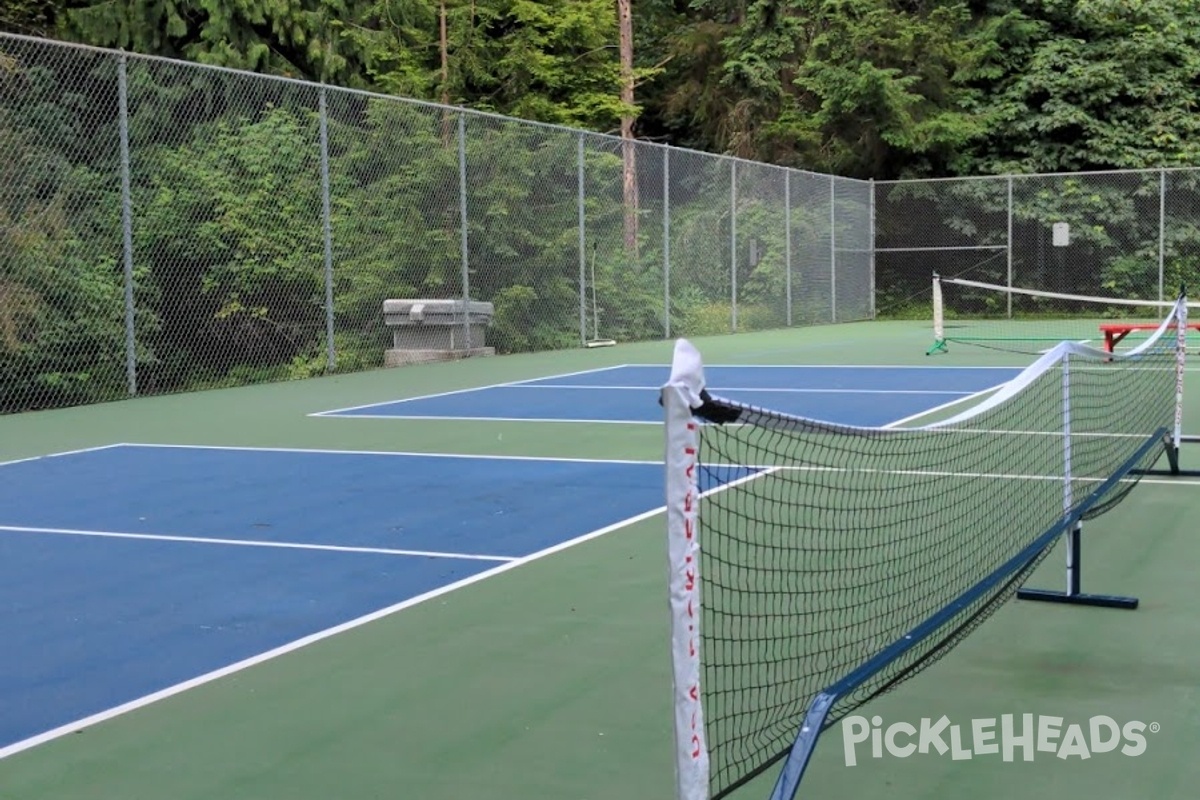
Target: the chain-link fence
pixel 166 226
pixel 1130 235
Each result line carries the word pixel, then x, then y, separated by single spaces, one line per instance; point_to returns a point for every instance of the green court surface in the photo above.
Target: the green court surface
pixel 551 681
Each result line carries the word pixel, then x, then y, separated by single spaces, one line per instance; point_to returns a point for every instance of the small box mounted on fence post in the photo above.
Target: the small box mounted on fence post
pixel 436 330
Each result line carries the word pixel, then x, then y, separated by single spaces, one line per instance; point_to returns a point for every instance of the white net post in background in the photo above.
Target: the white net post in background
pixel 939 321
pixel 974 313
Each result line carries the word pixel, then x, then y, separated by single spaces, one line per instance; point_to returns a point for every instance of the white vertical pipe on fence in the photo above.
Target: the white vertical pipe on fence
pixel 462 217
pixel 832 249
pixel 666 243
pixel 733 245
pixel 787 243
pixel 1162 230
pixel 327 231
pixel 126 223
pixel 871 247
pixel 1009 247
pixel 579 202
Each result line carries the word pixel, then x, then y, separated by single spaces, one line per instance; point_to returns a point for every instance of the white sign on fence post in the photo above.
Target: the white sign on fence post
pixel 1062 234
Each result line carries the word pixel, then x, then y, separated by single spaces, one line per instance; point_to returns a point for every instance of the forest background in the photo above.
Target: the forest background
pixel 223 281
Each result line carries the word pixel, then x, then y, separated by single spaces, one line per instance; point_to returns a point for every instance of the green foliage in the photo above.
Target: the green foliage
pixel 289 37
pixel 229 230
pixel 1092 85
pixel 61 331
pixel 29 17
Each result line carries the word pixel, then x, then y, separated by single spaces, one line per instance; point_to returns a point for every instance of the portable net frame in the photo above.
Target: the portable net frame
pixel 814 566
pixel 1031 321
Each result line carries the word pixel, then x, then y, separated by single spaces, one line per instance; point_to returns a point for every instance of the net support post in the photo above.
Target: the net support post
pixel 1173 444
pixel 1074 525
pixel 939 324
pixel 679 396
pixel 1074 594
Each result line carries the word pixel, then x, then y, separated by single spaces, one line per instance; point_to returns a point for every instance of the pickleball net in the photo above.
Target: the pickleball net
pixel 850 558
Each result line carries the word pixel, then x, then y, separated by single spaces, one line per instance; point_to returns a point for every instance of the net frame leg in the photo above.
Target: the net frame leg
pixel 1074 595
pixel 1173 460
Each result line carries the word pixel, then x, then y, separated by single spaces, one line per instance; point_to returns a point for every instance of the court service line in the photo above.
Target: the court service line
pixel 761 469
pixel 742 389
pixel 336 411
pixel 157 537
pixel 499 419
pixel 290 647
pixel 402 453
pixel 63 453
pixel 836 366
pixel 943 406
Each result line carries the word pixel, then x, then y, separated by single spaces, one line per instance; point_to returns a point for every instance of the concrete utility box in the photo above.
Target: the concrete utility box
pixel 433 330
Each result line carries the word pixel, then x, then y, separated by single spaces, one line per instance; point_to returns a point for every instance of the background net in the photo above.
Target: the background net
pixel 1032 321
pixel 849 538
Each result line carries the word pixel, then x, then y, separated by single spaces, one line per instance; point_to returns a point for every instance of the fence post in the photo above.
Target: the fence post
pixel 832 249
pixel 126 223
pixel 462 218
pixel 1162 230
pixel 733 245
pixel 327 231
pixel 787 241
pixel 871 247
pixel 666 242
pixel 580 188
pixel 1009 247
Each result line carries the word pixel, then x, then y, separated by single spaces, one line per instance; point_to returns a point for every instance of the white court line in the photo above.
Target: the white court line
pixel 63 453
pixel 942 407
pixel 832 366
pixel 155 537
pixel 336 411
pixel 170 691
pixel 1014 369
pixel 401 453
pixel 504 419
pixel 749 389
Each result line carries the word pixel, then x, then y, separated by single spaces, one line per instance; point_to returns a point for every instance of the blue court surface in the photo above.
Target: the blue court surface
pixel 862 395
pixel 129 569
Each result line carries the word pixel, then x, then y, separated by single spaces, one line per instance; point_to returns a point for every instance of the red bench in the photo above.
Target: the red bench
pixel 1114 332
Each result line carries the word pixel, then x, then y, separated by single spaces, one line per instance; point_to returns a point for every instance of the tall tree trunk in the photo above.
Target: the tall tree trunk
pixel 628 148
pixel 444 50
pixel 444 47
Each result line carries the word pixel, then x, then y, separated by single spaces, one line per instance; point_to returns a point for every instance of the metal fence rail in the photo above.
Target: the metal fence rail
pixel 167 226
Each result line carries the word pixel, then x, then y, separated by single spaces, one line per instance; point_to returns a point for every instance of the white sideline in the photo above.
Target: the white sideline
pixel 57 455
pixel 336 411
